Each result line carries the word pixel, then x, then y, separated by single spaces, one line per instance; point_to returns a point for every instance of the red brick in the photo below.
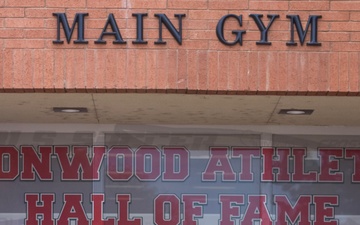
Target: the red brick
pixel 202 34
pixel 106 4
pixel 128 13
pixel 18 68
pixel 172 68
pixel 151 69
pixel 11 33
pixel 27 81
pixel 141 70
pixel 217 67
pixel 304 60
pixel 66 3
pixel 186 4
pixel 203 69
pixel 59 69
pixel 323 72
pixel 197 25
pixel 313 73
pixel 254 36
pixel 283 70
pixel 278 25
pixel 223 70
pixel 146 4
pixel 70 72
pixel 8 62
pixel 1 67
pixel 23 43
pixel 48 34
pixel 354 16
pixel 192 70
pixel 189 44
pixel 263 67
pixel 99 69
pixel 79 67
pixel 345 46
pixel 243 70
pixel 50 23
pixel 253 76
pixel 344 5
pixel 334 36
pixel 213 70
pixel 292 76
pixel 309 5
pixel 41 12
pixel 334 72
pixel 11 12
pixel 345 26
pixel 269 5
pixel 38 63
pixel 217 45
pixel 343 71
pixel 333 15
pixel 162 69
pixel 355 36
pixel 130 68
pixel 91 35
pixel 150 22
pixel 206 14
pixel 100 23
pixel 273 71
pixel 107 76
pixel 90 69
pixel 354 71
pixel 49 69
pixel 27 3
pixel 24 22
pixel 228 4
pixel 233 74
pixel 121 68
pixel 169 13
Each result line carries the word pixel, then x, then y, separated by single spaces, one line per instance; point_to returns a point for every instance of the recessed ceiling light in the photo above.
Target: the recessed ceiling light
pixel 70 109
pixel 296 111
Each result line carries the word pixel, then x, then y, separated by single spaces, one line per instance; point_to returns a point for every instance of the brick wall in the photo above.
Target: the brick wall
pixel 31 62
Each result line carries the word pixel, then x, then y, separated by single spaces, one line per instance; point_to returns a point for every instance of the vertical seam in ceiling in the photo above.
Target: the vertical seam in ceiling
pixel 272 113
pixel 95 109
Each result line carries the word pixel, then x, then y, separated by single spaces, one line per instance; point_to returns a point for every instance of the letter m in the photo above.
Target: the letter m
pixel 79 20
pixel 289 214
pixel 295 21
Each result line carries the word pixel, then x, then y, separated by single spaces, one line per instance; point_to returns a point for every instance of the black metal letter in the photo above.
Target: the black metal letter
pixel 139 28
pixel 263 30
pixel 163 19
pixel 295 20
pixel 62 19
pixel 115 31
pixel 220 30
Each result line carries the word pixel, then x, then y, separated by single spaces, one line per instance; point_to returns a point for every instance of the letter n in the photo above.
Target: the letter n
pixel 79 20
pixel 36 208
pixel 295 21
pixel 163 19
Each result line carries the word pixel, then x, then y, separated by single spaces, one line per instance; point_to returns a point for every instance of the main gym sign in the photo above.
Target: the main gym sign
pixel 111 29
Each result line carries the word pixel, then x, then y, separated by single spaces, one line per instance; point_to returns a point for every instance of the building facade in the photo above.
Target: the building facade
pixel 179 112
